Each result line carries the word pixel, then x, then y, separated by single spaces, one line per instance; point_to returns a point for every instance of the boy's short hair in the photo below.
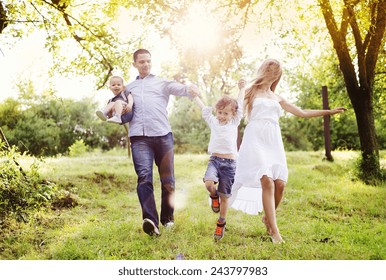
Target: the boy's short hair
pixel 140 51
pixel 225 101
pixel 116 77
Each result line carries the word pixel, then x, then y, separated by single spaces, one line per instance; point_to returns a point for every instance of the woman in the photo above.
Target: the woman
pixel 261 172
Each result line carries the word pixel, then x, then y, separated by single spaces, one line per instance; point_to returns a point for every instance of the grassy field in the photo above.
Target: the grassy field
pixel 325 215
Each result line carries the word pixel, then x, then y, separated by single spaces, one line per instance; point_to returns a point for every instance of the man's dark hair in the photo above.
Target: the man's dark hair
pixel 140 51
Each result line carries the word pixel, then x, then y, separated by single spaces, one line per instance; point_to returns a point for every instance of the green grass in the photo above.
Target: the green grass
pixel 325 214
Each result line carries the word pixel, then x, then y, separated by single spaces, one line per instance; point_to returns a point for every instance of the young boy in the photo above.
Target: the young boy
pixel 223 151
pixel 114 108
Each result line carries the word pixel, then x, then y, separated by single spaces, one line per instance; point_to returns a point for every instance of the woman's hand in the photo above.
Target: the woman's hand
pixel 242 83
pixel 337 110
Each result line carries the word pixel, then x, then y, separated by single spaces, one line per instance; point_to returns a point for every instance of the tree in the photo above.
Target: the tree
pixel 359 36
pixel 87 29
pixel 357 29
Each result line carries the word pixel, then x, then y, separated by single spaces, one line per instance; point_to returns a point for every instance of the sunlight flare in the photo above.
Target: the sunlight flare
pixel 199 30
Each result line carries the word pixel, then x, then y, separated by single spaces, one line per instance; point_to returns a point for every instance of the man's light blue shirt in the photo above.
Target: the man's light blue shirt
pixel 151 97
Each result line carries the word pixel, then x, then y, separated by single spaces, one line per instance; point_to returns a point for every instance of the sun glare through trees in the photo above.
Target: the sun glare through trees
pixel 199 30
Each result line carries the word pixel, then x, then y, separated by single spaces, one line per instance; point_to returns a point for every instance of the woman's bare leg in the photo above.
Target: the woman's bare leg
pixel 279 191
pixel 268 187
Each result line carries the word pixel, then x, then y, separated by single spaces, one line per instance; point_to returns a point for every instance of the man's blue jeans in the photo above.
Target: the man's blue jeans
pixel 146 151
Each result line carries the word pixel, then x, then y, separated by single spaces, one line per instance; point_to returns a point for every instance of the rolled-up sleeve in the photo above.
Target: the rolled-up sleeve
pixel 177 89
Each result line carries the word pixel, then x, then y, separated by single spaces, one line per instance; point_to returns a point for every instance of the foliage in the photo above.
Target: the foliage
pixel 48 126
pixel 299 140
pixel 380 99
pixel 21 191
pixel 307 85
pixel 190 131
pixel 326 214
pixel 79 148
pixel 88 29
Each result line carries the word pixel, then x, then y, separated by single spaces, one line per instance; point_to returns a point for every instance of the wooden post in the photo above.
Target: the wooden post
pixel 326 123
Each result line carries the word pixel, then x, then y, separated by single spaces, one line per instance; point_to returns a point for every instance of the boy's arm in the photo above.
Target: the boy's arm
pixel 240 98
pixel 194 92
pixel 199 102
pixel 206 111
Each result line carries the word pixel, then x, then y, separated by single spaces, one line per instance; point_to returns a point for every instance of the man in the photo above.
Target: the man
pixel 152 141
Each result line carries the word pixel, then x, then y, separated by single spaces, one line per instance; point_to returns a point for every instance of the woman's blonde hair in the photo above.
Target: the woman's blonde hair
pixel 269 73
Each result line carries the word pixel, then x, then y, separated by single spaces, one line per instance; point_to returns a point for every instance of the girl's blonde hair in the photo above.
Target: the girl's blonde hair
pixel 269 73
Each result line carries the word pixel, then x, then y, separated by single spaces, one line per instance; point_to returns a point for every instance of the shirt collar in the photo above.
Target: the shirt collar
pixel 139 77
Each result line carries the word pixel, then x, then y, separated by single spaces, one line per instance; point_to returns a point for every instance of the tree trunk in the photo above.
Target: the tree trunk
pixel 359 84
pixel 363 108
pixel 3 17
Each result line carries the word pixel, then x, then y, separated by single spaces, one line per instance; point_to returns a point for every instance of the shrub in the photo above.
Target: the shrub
pixel 21 191
pixel 79 148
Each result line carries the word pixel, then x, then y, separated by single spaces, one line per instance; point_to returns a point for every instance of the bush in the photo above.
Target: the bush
pixel 21 191
pixel 79 148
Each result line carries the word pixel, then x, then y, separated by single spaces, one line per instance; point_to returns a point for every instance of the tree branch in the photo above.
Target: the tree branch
pixel 372 24
pixel 67 18
pixel 345 21
pixel 103 60
pixel 340 46
pixel 361 51
pixel 44 20
pixel 377 32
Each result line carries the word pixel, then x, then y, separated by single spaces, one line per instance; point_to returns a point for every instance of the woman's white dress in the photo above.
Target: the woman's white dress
pixel 261 153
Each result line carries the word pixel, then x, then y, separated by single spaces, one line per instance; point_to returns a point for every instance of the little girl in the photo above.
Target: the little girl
pixel 223 150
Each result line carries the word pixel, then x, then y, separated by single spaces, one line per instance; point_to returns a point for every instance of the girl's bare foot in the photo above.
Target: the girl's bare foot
pixel 265 222
pixel 276 238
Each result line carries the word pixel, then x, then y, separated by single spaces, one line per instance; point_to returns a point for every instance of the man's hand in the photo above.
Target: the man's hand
pixel 193 90
pixel 126 108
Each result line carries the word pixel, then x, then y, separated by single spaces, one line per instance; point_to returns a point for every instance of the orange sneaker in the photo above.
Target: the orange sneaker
pixel 215 203
pixel 219 232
